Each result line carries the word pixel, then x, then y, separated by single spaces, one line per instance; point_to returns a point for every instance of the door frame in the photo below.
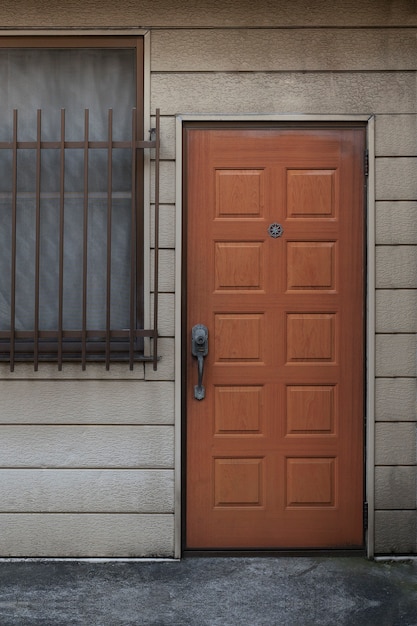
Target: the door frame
pixel 370 329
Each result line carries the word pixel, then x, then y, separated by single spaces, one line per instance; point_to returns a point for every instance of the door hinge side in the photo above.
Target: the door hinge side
pixel 366 162
pixel 365 515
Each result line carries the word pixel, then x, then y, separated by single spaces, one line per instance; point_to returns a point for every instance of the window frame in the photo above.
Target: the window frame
pixel 31 349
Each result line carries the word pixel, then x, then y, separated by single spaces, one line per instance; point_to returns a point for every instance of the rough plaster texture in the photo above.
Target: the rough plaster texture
pixel 396 311
pixel 288 92
pixel 395 399
pixel 395 532
pixel 395 135
pixel 95 534
pixel 283 50
pixel 226 58
pixel 396 487
pixel 396 222
pixel 208 13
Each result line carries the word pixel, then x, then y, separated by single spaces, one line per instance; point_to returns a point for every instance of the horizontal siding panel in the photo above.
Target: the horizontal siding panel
pixel 143 447
pixel 166 226
pixel 396 311
pixel 395 399
pixel 395 488
pixel 86 491
pixel 86 402
pixel 396 267
pixel 396 178
pixel 395 444
pixel 395 135
pixel 396 355
pixel 396 223
pixel 166 182
pixel 268 92
pixel 166 315
pixel 395 532
pixel 90 535
pixel 167 144
pixel 93 371
pixel 166 279
pixel 166 365
pixel 170 13
pixel 283 50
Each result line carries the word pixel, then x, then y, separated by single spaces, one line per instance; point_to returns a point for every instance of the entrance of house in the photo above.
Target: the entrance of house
pixel 275 326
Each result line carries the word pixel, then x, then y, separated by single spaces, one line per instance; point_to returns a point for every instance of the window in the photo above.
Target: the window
pixel 71 199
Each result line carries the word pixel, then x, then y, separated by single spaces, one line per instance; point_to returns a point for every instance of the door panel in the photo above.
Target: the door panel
pixel 275 272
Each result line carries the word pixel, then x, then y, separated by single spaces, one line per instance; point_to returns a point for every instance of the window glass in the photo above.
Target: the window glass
pixel 74 80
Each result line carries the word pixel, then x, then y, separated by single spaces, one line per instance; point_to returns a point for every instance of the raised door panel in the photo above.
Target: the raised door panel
pixel 274 451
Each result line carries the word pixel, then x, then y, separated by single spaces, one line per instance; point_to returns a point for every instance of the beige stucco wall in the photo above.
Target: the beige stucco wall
pixel 67 436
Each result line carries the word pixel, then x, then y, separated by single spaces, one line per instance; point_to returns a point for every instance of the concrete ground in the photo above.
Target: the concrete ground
pixel 297 591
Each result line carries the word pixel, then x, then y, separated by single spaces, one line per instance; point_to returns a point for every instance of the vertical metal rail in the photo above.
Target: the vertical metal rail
pixel 38 334
pixel 37 240
pixel 156 253
pixel 109 227
pixel 61 240
pixel 13 268
pixel 133 246
pixel 85 243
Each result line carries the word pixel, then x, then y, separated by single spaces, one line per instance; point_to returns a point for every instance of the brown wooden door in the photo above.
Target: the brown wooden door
pixel 275 451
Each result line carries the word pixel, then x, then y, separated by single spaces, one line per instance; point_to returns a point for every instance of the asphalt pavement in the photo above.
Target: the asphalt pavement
pixel 269 591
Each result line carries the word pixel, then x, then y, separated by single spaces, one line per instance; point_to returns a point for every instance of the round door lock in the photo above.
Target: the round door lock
pixel 275 230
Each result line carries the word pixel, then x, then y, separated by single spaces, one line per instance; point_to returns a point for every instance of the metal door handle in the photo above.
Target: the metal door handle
pixel 199 349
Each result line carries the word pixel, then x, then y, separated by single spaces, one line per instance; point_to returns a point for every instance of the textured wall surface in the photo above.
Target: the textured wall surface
pixel 208 13
pixel 87 458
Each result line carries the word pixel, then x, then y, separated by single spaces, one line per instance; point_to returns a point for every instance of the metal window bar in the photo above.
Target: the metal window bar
pixel 37 238
pixel 132 248
pixel 109 226
pixel 13 251
pixel 61 240
pixel 156 229
pixel 85 344
pixel 85 243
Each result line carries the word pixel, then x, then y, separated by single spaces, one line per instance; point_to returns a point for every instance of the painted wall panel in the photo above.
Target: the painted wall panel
pixel 70 371
pixel 396 223
pixel 282 50
pixel 167 182
pixel 396 311
pixel 264 13
pixel 395 355
pixel 395 532
pixel 395 135
pixel 87 491
pixel 396 267
pixel 166 365
pixel 86 447
pixel 295 92
pixel 396 179
pixel 167 271
pixel 167 146
pixel 166 226
pixel 395 487
pixel 52 534
pixel 86 402
pixel 395 399
pixel 395 444
pixel 166 315
pixel 219 68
